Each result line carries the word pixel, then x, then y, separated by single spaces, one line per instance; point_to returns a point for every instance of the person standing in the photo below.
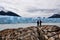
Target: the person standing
pixel 40 23
pixel 37 22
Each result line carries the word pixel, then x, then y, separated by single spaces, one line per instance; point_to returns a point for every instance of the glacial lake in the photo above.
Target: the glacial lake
pixel 11 26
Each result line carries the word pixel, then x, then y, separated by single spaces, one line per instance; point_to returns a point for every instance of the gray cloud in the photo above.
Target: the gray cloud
pixel 32 8
pixel 44 10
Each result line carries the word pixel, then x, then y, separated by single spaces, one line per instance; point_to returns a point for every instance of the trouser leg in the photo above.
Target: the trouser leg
pixel 37 24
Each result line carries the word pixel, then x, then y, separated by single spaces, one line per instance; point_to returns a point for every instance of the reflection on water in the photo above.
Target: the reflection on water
pixel 5 26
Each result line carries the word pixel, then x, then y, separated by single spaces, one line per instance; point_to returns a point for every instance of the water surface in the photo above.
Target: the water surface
pixel 11 26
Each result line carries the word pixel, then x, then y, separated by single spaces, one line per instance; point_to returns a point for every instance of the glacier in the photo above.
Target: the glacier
pixel 15 19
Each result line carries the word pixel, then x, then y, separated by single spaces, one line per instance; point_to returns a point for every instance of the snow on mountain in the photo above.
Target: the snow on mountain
pixel 8 13
pixel 55 16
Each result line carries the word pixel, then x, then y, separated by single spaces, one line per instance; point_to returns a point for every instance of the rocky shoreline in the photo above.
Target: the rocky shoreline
pixel 45 32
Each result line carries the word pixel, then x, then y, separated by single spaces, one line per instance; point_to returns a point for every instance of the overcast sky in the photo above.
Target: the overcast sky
pixel 31 8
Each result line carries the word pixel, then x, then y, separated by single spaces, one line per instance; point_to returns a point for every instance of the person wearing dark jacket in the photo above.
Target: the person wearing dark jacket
pixel 40 23
pixel 37 22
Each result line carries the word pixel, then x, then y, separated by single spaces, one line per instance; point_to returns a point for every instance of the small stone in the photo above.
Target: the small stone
pixel 45 36
pixel 51 38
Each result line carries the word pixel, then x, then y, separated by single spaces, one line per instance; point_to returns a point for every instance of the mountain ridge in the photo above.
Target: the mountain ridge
pixel 8 13
pixel 55 16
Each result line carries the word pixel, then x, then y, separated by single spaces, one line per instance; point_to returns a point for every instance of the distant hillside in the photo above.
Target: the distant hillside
pixel 9 13
pixel 55 16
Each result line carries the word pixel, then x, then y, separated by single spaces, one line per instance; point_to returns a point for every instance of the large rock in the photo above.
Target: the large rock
pixel 49 32
pixel 45 32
